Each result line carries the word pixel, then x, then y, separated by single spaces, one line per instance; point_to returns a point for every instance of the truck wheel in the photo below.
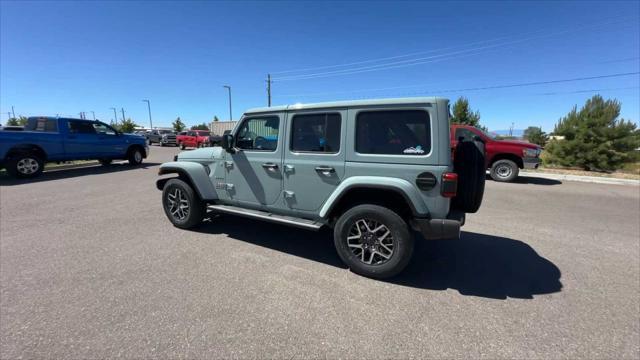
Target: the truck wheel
pixel 181 145
pixel 504 171
pixel 181 205
pixel 25 165
pixel 105 162
pixel 135 156
pixel 373 241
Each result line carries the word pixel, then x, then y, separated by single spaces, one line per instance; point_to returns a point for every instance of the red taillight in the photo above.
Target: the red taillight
pixel 449 186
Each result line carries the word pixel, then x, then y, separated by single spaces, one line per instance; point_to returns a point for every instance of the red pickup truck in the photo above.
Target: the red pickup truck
pixel 504 158
pixel 193 138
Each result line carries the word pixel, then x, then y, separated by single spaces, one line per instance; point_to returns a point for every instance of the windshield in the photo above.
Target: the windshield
pixel 203 133
pixel 165 131
pixel 490 136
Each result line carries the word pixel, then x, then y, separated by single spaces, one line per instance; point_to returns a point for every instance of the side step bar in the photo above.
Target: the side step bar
pixel 263 215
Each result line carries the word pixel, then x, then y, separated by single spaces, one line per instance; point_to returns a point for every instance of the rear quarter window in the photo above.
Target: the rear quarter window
pixel 42 124
pixel 393 132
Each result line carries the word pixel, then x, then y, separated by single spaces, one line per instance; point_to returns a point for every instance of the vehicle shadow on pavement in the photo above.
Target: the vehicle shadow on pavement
pixel 55 174
pixel 476 265
pixel 532 180
pixel 481 265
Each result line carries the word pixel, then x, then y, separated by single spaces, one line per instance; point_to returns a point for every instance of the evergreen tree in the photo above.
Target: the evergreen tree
pixel 215 118
pixel 178 125
pixel 594 138
pixel 462 113
pixel 202 126
pixel 535 135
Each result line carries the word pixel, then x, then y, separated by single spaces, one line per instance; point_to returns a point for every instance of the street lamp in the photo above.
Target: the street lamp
pixel 115 115
pixel 229 88
pixel 149 108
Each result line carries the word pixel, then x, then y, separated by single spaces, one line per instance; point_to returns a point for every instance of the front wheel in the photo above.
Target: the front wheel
pixel 504 171
pixel 373 241
pixel 181 205
pixel 181 145
pixel 135 156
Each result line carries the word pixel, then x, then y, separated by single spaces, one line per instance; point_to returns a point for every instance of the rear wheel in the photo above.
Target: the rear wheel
pixel 504 170
pixel 181 205
pixel 373 241
pixel 25 165
pixel 135 156
pixel 181 145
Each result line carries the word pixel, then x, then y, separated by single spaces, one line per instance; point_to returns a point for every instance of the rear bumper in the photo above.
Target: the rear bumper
pixel 531 163
pixel 436 229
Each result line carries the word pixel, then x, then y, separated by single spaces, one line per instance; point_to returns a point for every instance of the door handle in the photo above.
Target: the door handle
pixel 270 166
pixel 325 169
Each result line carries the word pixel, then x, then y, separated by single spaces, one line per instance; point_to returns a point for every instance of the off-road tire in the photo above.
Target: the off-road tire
pixel 504 171
pixel 25 165
pixel 469 164
pixel 402 241
pixel 135 156
pixel 196 207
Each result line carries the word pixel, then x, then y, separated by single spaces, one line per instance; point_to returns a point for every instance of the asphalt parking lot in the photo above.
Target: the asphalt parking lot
pixel 91 268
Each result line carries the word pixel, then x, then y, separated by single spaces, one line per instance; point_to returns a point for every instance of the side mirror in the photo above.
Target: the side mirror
pixel 227 142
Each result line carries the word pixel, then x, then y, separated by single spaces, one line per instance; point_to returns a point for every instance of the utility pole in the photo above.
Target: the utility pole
pixel 149 108
pixel 229 88
pixel 94 114
pixel 81 115
pixel 9 115
pixel 13 112
pixel 269 90
pixel 115 115
pixel 122 114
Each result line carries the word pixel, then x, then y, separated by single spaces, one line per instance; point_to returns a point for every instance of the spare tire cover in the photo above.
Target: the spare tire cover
pixel 469 164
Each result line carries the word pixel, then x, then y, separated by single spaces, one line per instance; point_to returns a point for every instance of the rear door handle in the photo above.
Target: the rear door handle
pixel 325 169
pixel 270 166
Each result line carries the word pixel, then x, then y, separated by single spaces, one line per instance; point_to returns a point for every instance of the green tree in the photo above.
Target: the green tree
pixel 215 118
pixel 462 113
pixel 127 126
pixel 202 126
pixel 535 135
pixel 594 138
pixel 19 121
pixel 178 125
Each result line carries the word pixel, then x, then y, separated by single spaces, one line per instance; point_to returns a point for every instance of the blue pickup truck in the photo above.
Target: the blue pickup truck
pixel 47 139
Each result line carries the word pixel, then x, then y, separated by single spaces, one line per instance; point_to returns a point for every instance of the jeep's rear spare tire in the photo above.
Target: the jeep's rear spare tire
pixel 373 241
pixel 469 164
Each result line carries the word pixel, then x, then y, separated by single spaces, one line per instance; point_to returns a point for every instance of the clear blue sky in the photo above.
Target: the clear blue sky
pixel 67 57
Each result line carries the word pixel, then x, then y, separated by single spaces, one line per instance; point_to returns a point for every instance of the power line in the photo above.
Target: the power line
pixel 418 61
pixel 588 90
pixel 534 83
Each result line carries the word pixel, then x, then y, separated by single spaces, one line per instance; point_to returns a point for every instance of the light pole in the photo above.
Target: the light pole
pixel 94 114
pixel 149 108
pixel 115 115
pixel 229 88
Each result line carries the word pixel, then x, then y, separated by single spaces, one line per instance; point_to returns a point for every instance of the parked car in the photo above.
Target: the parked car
pixel 23 153
pixel 162 137
pixel 504 158
pixel 372 170
pixel 194 138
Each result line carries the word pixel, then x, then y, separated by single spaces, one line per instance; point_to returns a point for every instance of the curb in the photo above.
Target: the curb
pixel 580 178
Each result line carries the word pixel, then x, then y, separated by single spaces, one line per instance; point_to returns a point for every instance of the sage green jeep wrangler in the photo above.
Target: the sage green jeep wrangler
pixel 374 171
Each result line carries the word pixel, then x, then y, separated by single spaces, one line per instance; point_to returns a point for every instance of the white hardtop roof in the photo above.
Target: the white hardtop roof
pixel 348 103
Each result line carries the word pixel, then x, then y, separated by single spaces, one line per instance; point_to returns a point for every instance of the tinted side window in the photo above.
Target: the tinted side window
pixel 42 124
pixel 394 132
pixel 81 127
pixel 101 128
pixel 465 134
pixel 316 132
pixel 259 134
